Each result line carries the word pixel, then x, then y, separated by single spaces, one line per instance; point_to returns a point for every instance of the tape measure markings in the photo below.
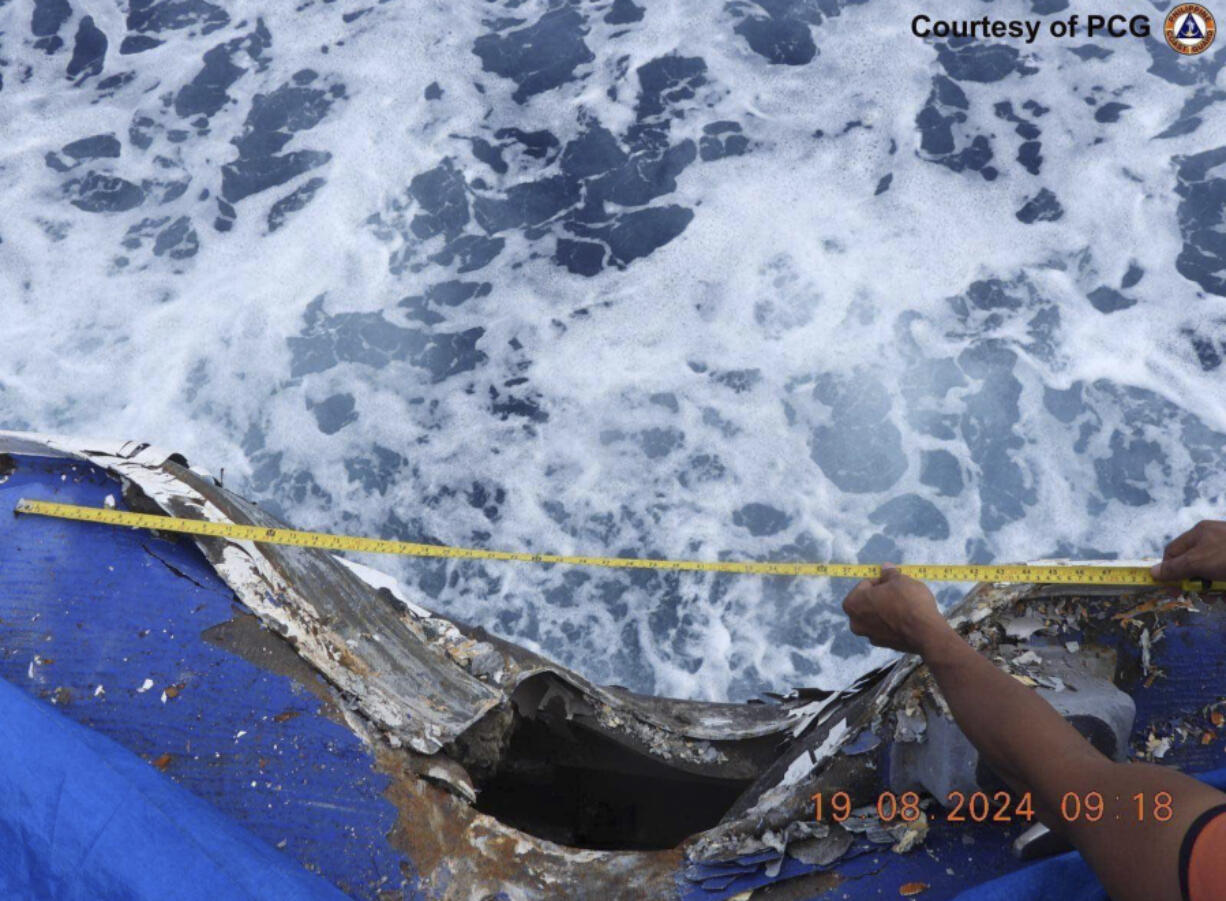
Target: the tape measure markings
pixel 1070 574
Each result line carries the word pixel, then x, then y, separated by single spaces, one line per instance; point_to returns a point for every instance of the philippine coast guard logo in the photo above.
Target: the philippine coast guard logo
pixel 1190 29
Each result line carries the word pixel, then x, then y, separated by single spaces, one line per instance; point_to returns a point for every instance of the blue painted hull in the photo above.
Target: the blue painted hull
pixel 135 638
pixel 90 615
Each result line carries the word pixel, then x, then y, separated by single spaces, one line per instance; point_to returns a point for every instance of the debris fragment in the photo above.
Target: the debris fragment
pixel 910 725
pixel 172 691
pixel 1055 683
pixel 908 889
pixel 162 761
pixel 913 834
pixel 1022 627
pixel 1155 747
pixel 821 851
pixel 145 686
pixel 1156 605
pixel 866 821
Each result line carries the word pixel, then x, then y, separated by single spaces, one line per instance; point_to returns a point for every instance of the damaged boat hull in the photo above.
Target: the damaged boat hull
pixel 397 754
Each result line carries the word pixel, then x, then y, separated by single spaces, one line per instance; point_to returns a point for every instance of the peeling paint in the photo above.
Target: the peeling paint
pixel 438 704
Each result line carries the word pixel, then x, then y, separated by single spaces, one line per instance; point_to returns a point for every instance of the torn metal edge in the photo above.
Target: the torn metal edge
pixel 773 814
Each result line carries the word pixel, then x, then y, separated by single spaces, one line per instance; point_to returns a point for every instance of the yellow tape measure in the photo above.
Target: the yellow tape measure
pixel 1074 574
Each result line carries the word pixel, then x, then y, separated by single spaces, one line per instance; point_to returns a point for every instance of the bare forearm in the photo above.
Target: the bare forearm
pixel 1030 745
pixel 1018 733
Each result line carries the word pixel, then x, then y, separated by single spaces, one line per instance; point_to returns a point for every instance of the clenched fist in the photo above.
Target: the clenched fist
pixel 896 611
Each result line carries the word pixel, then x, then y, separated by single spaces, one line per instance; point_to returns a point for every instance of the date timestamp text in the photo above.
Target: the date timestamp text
pixel 1003 807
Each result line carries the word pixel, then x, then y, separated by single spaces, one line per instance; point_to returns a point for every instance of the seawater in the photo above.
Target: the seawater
pixel 775 281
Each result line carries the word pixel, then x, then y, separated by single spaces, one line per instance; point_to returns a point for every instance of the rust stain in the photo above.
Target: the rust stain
pixel 162 761
pixel 460 852
pixel 286 715
pixel 907 889
pixel 1156 605
pixel 172 691
pixel 346 659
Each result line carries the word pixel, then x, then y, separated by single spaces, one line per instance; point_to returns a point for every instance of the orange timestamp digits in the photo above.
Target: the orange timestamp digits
pixel 1090 807
pixel 1002 807
pixel 978 807
pixel 890 807
pixel 839 806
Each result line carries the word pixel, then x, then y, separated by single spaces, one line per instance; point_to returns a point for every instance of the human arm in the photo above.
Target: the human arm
pixel 1029 745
